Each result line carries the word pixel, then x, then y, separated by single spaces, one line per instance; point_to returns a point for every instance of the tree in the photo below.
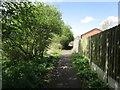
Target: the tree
pixel 62 41
pixel 67 37
pixel 28 28
pixel 109 22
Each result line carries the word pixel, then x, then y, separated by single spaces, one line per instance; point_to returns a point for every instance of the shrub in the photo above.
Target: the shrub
pixel 84 72
pixel 27 74
pixel 87 75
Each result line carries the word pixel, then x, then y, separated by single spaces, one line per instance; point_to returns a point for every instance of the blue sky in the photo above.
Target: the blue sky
pixel 85 16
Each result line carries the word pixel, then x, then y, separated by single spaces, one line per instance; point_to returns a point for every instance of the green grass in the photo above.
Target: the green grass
pixel 84 72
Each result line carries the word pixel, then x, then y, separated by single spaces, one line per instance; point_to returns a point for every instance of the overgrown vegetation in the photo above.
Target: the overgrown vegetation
pixel 28 29
pixel 62 41
pixel 31 74
pixel 84 72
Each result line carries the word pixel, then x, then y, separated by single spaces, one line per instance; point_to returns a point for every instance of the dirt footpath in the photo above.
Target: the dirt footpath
pixel 64 75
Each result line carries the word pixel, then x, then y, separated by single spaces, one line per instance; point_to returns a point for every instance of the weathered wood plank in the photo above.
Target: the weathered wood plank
pixel 104 46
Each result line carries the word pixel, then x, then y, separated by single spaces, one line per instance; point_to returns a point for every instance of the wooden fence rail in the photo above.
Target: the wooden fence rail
pixel 103 49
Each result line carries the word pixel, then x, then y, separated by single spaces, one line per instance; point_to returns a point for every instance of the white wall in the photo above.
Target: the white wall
pixel 75 45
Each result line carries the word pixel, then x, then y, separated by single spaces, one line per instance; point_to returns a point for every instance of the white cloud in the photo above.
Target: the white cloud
pixel 87 19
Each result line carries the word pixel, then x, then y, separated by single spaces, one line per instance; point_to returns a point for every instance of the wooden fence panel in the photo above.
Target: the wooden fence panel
pixel 93 49
pixel 104 50
pixel 110 53
pixel 118 53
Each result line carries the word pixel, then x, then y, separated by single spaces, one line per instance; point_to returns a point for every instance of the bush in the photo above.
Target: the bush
pixel 87 75
pixel 84 72
pixel 27 74
pixel 28 34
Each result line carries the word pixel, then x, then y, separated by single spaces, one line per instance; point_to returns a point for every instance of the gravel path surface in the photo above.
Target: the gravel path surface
pixel 64 75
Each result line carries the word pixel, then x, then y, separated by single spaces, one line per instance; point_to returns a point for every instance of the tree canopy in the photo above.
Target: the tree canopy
pixel 28 28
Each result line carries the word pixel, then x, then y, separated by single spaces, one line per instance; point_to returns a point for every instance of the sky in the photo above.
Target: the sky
pixel 85 16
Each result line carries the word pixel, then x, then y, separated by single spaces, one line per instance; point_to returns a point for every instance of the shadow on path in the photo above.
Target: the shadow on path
pixel 64 75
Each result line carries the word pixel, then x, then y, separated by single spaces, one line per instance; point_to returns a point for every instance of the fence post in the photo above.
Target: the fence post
pixel 90 51
pixel 106 63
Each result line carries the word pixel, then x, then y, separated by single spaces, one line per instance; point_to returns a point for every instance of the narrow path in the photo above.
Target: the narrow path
pixel 64 74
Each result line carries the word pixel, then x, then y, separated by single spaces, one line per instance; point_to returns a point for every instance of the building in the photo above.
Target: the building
pixel 76 44
pixel 87 34
pixel 91 32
